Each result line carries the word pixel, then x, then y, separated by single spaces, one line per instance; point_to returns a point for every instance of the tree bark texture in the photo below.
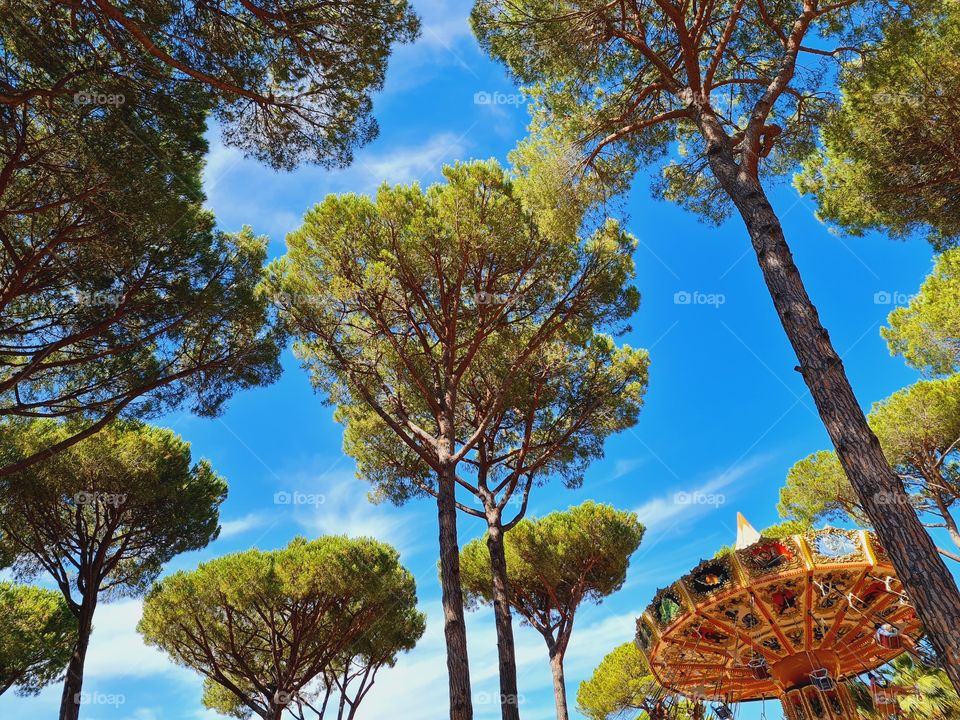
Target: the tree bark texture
pixel 919 566
pixel 454 628
pixel 506 650
pixel 559 686
pixel 70 700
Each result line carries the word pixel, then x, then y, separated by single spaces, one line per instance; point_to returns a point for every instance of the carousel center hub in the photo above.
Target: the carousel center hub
pixel 794 670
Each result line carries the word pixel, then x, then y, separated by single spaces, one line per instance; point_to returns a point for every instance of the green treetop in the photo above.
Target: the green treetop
pixel 623 687
pixel 919 429
pixel 817 490
pixel 284 80
pixel 117 294
pixel 102 517
pixel 620 683
pixel 354 671
pixel 922 690
pixel 656 82
pixel 891 148
pixel 555 564
pixel 933 698
pixel 7 551
pixel 286 630
pixel 39 634
pixel 561 405
pixel 465 334
pixel 927 331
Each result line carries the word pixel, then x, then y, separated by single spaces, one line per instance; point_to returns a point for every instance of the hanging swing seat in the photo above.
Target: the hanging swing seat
pixel 759 668
pixel 821 680
pixel 723 711
pixel 888 637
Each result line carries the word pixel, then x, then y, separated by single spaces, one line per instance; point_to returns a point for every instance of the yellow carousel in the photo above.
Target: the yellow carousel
pixel 789 619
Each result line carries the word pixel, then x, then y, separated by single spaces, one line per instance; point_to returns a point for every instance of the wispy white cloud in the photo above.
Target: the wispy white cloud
pixel 663 512
pixel 444 23
pixel 145 714
pixel 445 40
pixel 232 528
pixel 221 162
pixel 406 164
pixel 597 637
pixel 116 648
pixel 342 508
pixel 626 466
pixel 266 210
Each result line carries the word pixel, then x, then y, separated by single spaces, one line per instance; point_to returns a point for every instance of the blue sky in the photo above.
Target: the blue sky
pixel 726 415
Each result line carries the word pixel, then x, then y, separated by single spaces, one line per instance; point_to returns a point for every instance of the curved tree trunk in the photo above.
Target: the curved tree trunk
pixel 454 628
pixel 919 566
pixel 70 700
pixel 952 529
pixel 948 520
pixel 506 651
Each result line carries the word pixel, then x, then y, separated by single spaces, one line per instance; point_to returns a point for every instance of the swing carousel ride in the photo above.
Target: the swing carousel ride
pixel 790 619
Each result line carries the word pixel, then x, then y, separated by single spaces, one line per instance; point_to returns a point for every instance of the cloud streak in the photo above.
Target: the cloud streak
pixel 664 512
pixel 241 525
pixel 267 209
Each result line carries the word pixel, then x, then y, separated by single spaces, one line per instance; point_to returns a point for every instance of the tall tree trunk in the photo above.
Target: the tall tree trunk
pixel 506 650
pixel 559 686
pixel 73 681
pixel 919 566
pixel 454 628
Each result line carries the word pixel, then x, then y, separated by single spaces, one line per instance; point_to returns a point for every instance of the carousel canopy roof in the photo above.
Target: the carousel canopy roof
pixel 774 612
